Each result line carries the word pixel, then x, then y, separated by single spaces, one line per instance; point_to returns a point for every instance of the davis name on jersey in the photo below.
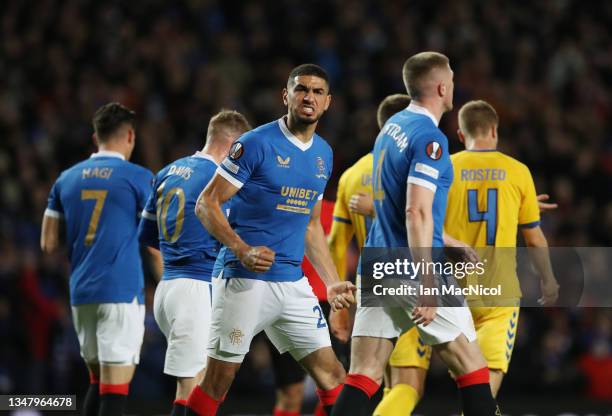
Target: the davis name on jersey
pixel 409 149
pixel 188 250
pixel 281 179
pixel 100 200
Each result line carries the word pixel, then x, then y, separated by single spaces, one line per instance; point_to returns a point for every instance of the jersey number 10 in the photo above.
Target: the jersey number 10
pixel 163 204
pixel 489 215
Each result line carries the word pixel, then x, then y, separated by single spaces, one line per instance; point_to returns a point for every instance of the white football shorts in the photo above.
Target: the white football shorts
pixel 110 333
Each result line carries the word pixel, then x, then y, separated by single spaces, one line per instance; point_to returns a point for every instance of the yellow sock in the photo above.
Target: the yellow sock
pixel 400 401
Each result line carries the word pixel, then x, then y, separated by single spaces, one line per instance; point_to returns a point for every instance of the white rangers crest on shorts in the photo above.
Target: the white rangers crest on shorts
pixel 433 150
pixel 321 167
pixel 236 336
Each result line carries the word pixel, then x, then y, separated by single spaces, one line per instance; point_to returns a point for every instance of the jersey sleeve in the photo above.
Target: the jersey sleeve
pixel 341 230
pixel 529 213
pixel 429 159
pixel 244 157
pixel 149 212
pixel 143 186
pixel 54 204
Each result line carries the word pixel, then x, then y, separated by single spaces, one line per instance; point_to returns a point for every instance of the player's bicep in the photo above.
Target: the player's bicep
pixel 529 213
pixel 419 198
pixel 219 189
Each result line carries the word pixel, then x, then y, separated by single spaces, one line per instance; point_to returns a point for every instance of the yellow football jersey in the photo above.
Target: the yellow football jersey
pixel 346 224
pixel 491 195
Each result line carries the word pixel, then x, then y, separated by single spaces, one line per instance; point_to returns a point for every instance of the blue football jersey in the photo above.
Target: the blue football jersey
pixel 100 200
pixel 188 250
pixel 409 149
pixel 280 180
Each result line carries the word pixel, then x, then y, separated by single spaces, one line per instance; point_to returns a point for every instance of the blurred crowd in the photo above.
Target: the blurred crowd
pixel 545 66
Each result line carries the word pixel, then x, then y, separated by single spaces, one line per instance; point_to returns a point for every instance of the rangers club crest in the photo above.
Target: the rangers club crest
pixel 321 168
pixel 433 150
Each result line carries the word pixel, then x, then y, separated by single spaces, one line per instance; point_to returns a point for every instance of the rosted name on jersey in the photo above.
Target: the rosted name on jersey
pixel 100 173
pixel 182 171
pixel 483 174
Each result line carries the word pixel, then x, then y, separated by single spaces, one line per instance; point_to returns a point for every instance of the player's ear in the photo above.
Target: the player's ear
pixel 441 89
pixel 327 101
pixel 494 131
pixel 94 138
pixel 461 136
pixel 285 94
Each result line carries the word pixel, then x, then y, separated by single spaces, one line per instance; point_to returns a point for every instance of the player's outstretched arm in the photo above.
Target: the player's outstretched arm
pixel 419 226
pixel 49 236
pixel 460 249
pixel 534 237
pixel 339 294
pixel 208 210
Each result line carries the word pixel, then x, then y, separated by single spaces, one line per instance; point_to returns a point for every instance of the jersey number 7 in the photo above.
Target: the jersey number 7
pixel 489 215
pixel 99 197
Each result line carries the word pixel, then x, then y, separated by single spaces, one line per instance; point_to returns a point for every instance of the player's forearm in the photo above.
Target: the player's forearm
pixel 539 253
pixel 210 214
pixel 419 226
pixel 338 241
pixel 49 236
pixel 318 253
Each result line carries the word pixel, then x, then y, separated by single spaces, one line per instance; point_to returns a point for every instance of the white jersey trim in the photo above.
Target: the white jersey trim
pixel 229 177
pixel 53 213
pixel 414 108
pixel 206 156
pixel 422 182
pixel 320 198
pixel 291 137
pixel 148 216
pixel 108 153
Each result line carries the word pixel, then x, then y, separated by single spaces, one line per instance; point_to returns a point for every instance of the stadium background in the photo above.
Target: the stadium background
pixel 545 66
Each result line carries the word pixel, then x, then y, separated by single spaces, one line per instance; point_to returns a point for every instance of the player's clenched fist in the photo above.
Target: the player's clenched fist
pixel 257 259
pixel 341 295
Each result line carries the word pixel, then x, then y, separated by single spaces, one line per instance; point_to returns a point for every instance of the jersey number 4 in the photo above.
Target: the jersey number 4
pixel 99 197
pixel 489 215
pixel 163 205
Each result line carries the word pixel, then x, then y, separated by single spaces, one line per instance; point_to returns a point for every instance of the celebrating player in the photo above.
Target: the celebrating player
pixel 411 180
pixel 182 299
pixel 100 200
pixel 277 173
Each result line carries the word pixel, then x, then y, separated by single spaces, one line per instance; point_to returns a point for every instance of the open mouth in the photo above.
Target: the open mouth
pixel 309 111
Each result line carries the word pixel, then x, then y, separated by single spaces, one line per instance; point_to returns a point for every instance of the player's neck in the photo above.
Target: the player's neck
pixel 476 145
pixel 216 154
pixel 114 147
pixel 436 109
pixel 302 131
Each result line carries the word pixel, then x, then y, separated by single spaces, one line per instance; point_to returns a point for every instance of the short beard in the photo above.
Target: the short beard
pixel 304 121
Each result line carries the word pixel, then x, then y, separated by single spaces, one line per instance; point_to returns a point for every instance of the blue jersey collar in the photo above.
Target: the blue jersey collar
pixel 414 108
pixel 107 153
pixel 206 156
pixel 291 137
